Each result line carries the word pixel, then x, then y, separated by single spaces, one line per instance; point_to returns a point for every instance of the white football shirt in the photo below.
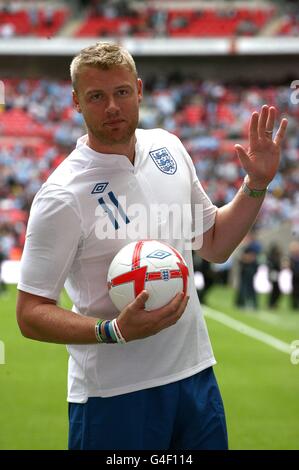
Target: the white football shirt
pixel 90 207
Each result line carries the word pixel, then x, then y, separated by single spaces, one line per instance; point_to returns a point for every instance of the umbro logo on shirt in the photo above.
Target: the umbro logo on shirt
pixel 99 188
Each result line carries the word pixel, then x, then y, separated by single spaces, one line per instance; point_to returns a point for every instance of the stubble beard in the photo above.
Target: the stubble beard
pixel 110 137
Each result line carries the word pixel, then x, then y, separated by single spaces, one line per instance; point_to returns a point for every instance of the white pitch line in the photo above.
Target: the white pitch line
pixel 247 330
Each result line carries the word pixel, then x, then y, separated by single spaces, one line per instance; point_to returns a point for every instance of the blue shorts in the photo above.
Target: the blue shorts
pixel 184 415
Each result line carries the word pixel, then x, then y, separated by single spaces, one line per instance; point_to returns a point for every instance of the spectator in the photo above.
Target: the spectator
pixel 49 16
pixel 246 294
pixel 2 283
pixel 294 266
pixel 205 267
pixel 274 267
pixel 222 271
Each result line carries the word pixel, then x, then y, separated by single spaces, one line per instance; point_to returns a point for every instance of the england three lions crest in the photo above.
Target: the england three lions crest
pixel 164 160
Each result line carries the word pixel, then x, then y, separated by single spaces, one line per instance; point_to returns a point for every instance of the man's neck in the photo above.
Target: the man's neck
pixel 127 149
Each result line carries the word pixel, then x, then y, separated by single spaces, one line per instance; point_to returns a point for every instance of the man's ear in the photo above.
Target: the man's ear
pixel 76 102
pixel 140 89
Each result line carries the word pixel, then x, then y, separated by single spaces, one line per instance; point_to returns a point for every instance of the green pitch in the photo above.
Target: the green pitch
pixel 259 384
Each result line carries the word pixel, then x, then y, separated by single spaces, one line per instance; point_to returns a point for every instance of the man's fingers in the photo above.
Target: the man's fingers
pixel 253 127
pixel 183 305
pixel 171 307
pixel 262 121
pixel 140 300
pixel 175 315
pixel 270 121
pixel 262 125
pixel 177 304
pixel 281 132
pixel 148 323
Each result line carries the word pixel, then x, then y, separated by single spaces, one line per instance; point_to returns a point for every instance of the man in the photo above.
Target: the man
pixel 2 283
pixel 294 267
pixel 152 386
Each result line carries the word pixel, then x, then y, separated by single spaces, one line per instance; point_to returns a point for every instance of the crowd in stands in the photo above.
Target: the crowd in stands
pixel 39 127
pixel 17 19
pixel 135 18
pixel 290 24
pixel 146 19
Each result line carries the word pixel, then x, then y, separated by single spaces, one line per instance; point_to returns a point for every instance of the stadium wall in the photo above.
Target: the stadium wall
pixel 235 69
pixel 247 59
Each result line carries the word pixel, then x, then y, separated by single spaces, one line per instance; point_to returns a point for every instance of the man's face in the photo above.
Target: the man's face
pixel 109 101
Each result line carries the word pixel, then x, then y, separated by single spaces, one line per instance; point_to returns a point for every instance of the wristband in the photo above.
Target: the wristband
pixel 108 332
pixel 112 332
pixel 98 331
pixel 253 192
pixel 120 338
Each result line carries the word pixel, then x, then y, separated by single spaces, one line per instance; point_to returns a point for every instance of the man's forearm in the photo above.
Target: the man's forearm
pixel 41 319
pixel 50 323
pixel 233 221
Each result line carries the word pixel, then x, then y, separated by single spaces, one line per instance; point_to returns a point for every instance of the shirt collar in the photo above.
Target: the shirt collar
pixel 104 159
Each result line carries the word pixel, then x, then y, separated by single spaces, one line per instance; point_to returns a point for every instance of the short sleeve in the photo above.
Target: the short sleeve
pixel 52 240
pixel 203 210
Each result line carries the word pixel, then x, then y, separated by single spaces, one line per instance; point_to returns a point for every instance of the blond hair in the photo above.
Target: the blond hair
pixel 103 55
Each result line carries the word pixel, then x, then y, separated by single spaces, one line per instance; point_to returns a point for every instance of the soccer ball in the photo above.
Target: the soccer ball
pixel 147 264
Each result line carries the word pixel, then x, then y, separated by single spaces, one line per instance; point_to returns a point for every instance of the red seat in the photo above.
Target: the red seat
pixel 21 21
